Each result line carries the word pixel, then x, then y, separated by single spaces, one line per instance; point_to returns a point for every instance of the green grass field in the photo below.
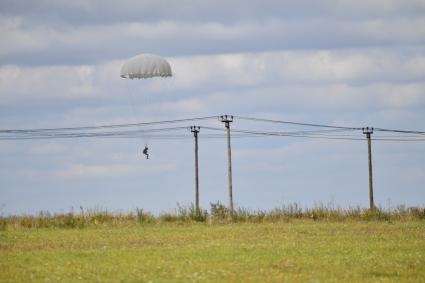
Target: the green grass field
pixel 295 250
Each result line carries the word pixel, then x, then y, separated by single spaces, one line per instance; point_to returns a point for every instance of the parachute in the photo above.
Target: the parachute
pixel 145 66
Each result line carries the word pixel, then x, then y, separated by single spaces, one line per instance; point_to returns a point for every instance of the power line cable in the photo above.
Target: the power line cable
pixel 304 134
pixel 108 126
pixel 95 131
pixel 400 131
pixel 295 123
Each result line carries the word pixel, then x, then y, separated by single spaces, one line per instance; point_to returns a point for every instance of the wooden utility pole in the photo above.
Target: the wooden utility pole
pixel 368 131
pixel 195 130
pixel 227 119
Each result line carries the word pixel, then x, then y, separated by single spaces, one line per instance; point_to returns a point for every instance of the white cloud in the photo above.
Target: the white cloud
pixel 108 11
pixel 16 40
pixel 51 81
pixel 295 67
pixel 314 79
pixel 92 43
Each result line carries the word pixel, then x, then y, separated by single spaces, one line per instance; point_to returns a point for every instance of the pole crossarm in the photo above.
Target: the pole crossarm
pixel 226 118
pixel 195 129
pixel 367 130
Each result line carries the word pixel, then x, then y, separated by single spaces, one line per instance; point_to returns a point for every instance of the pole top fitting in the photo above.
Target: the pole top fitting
pixel 226 118
pixel 367 130
pixel 195 129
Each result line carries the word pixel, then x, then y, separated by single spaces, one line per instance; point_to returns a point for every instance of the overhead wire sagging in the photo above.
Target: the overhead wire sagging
pixel 151 129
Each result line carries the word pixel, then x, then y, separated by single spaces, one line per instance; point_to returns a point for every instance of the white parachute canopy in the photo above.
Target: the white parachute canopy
pixel 145 66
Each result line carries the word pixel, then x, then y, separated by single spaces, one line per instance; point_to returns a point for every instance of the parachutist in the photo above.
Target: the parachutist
pixel 145 66
pixel 145 152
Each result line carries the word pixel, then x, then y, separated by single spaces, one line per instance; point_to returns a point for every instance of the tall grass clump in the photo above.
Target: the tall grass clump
pixel 70 220
pixel 3 223
pixel 218 212
pixel 143 217
pixel 184 213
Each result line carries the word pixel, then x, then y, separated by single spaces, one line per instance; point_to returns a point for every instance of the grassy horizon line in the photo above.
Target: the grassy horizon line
pixel 217 213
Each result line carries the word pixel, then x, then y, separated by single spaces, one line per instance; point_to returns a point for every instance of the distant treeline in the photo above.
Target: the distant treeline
pixel 217 214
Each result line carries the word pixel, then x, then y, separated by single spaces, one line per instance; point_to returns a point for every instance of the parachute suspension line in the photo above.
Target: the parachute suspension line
pixel 132 102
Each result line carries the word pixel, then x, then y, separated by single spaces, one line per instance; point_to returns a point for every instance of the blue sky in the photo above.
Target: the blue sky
pixel 351 63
